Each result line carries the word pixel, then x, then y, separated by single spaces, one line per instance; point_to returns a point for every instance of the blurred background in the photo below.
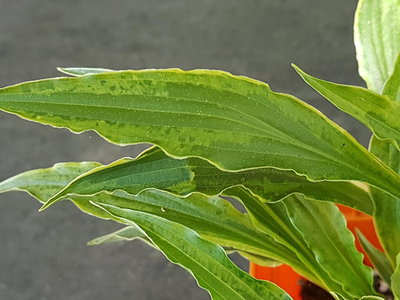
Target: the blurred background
pixel 44 256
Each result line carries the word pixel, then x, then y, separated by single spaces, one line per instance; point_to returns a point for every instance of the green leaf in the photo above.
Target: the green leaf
pixel 377 40
pixel 392 86
pixel 273 219
pixel 234 122
pixel 206 261
pixel 375 111
pixel 396 279
pixel 214 218
pixel 82 71
pixel 323 228
pixel 378 259
pixel 371 298
pixel 44 183
pixel 387 207
pixel 154 169
pixel 128 233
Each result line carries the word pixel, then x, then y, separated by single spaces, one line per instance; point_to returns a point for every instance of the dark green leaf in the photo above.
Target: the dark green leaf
pixel 154 169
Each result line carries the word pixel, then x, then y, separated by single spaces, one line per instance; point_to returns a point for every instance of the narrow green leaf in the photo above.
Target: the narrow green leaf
pixel 371 298
pixel 392 86
pixel 154 169
pixel 323 228
pixel 214 218
pixel 206 261
pixel 273 219
pixel 375 111
pixel 82 71
pixel 127 233
pixel 396 279
pixel 378 259
pixel 387 207
pixel 377 40
pixel 234 122
pixel 44 183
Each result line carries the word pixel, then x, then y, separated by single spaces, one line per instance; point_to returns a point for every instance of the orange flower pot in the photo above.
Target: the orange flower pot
pixel 289 280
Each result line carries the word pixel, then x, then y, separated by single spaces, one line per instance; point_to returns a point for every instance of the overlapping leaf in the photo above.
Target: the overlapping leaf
pixel 127 233
pixel 377 40
pixel 234 122
pixel 323 228
pixel 392 86
pixel 396 279
pixel 213 217
pixel 387 207
pixel 378 259
pixel 375 111
pixel 45 183
pixel 154 169
pixel 206 261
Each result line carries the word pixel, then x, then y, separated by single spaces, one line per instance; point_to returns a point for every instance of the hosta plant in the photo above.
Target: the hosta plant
pixel 219 138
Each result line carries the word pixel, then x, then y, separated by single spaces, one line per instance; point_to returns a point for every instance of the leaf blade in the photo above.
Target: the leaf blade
pixel 375 111
pixel 234 122
pixel 378 259
pixel 206 261
pixel 154 169
pixel 377 40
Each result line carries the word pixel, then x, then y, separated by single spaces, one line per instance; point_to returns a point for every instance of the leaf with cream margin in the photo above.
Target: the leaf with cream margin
pixel 392 86
pixel 273 219
pixel 379 260
pixel 375 111
pixel 154 169
pixel 323 228
pixel 396 279
pixel 224 224
pixel 377 40
pixel 206 261
pixel 44 183
pixel 234 122
pixel 82 71
pixel 387 207
pixel 214 218
pixel 127 233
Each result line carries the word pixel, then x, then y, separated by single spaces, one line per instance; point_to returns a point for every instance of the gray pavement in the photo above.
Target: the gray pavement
pixel 44 256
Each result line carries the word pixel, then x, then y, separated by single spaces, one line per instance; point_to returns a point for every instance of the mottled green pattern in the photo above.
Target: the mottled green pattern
pixel 154 169
pixel 235 122
pixel 377 112
pixel 206 261
pixel 377 40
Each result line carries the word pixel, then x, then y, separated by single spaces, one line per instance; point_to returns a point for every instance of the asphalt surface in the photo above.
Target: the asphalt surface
pixel 44 256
